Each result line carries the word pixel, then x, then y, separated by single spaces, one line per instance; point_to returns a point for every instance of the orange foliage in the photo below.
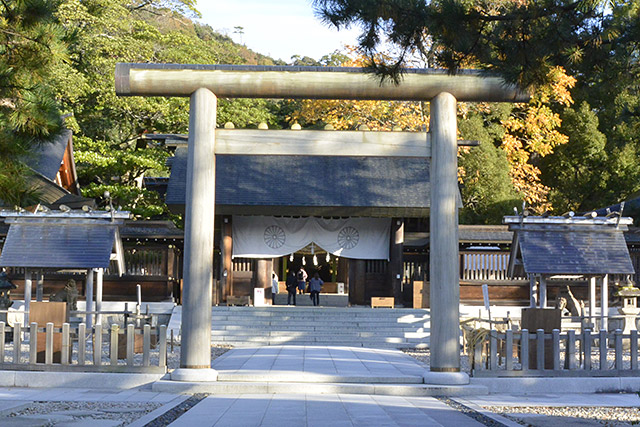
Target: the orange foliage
pixel 349 115
pixel 533 131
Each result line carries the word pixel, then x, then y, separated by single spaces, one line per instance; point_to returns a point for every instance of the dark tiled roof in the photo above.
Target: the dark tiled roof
pixel 574 251
pixel 47 156
pixel 388 185
pixel 41 245
pixel 484 234
pixel 151 230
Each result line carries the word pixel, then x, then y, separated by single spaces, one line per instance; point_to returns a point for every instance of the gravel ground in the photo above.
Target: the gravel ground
pixel 423 355
pixel 62 413
pixel 481 418
pixel 604 415
pixel 173 358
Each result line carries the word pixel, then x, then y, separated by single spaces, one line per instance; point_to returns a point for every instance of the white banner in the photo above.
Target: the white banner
pixel 271 237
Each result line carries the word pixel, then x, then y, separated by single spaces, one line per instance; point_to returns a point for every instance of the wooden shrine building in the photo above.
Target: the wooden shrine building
pixel 574 248
pixel 63 240
pixel 377 192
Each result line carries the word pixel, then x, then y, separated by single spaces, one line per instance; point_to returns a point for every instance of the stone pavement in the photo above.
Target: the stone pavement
pixel 314 363
pixel 285 410
pixel 293 375
pixel 302 369
pixel 280 410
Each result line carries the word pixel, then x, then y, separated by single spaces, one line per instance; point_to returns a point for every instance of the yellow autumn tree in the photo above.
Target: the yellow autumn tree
pixel 350 115
pixel 532 131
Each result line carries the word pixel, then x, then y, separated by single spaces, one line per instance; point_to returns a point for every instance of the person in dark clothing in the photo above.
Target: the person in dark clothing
pixel 302 280
pixel 315 286
pixel 292 285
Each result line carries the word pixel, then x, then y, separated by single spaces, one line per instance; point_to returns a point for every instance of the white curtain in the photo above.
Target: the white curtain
pixel 270 237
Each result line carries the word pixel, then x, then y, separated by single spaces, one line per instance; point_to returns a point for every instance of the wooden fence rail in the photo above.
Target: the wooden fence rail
pixel 556 354
pixel 73 348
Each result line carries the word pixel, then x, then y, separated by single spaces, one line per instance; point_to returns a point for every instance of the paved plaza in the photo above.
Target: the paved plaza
pixel 293 374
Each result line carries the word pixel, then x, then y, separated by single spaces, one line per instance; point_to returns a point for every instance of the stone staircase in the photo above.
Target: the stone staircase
pixel 352 326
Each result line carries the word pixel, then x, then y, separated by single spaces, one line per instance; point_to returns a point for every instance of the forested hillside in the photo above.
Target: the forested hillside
pixel 573 147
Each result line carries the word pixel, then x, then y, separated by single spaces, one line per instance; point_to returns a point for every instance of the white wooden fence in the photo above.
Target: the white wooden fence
pixel 586 354
pixel 83 350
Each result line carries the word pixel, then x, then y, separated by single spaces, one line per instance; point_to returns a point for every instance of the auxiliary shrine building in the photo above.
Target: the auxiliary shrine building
pixel 342 216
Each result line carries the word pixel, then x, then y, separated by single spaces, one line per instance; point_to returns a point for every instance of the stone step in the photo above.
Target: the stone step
pixel 351 343
pixel 323 337
pixel 332 327
pixel 360 342
pixel 337 319
pixel 299 309
pixel 360 332
pixel 385 328
pixel 268 387
pixel 356 323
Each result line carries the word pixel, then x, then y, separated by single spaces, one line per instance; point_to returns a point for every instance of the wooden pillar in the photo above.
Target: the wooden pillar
pixel 226 249
pixel 99 277
pixel 533 291
pixel 343 272
pixel 592 302
pixel 28 283
pixel 395 258
pixel 604 303
pixel 171 272
pixel 198 232
pixel 357 273
pixel 262 273
pixel 40 286
pixel 444 281
pixel 88 319
pixel 543 291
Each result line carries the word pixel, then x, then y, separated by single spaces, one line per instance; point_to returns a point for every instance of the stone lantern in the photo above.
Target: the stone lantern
pixel 629 294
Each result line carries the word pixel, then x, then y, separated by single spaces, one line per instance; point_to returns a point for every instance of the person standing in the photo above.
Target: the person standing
pixel 302 280
pixel 315 286
pixel 291 284
pixel 274 287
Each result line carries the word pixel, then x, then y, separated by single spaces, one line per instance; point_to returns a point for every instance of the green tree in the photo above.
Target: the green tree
pixel 577 172
pixel 609 81
pixel 108 127
pixel 33 50
pixel 521 39
pixel 487 190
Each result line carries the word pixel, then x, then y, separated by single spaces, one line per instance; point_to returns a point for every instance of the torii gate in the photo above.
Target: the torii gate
pixel 203 83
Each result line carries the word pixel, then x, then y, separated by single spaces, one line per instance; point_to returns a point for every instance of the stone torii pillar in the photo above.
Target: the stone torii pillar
pixel 443 255
pixel 200 82
pixel 195 354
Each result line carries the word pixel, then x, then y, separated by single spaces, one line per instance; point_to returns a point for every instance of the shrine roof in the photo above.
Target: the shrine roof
pixel 312 185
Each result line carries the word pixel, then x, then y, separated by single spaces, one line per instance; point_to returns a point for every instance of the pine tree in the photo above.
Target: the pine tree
pixel 31 47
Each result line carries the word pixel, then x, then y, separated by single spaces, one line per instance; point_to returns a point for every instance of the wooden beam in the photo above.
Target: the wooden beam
pixel 317 143
pixel 237 81
pixel 248 135
pixel 322 143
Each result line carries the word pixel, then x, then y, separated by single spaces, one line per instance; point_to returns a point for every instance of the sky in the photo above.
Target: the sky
pixel 277 28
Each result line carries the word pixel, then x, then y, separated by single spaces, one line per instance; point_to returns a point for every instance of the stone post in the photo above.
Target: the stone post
pixel 226 248
pixel 40 286
pixel 395 262
pixel 88 319
pixel 444 261
pixel 604 303
pixel 195 357
pixel 99 281
pixel 28 283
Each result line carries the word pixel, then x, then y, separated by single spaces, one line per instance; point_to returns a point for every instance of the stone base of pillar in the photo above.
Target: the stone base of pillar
pixel 446 378
pixel 194 375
